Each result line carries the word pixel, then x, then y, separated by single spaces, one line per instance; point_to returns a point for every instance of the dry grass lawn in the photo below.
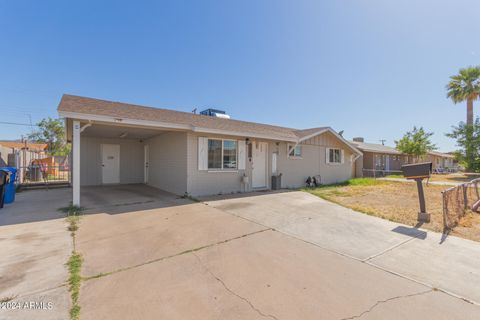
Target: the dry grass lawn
pixel 397 201
pixel 452 177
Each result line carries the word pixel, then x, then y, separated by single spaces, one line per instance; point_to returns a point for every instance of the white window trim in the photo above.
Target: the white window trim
pixel 290 147
pixel 335 163
pixel 222 169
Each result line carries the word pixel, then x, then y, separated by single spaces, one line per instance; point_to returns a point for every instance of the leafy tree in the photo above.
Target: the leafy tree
pixel 415 143
pixel 468 139
pixel 465 86
pixel 52 132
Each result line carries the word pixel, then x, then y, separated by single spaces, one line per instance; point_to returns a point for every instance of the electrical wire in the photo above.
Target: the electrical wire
pixel 18 124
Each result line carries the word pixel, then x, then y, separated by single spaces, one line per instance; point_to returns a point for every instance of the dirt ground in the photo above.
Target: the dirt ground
pixel 398 201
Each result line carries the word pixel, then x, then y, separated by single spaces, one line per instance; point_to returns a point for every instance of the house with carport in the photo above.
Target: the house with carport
pixel 194 154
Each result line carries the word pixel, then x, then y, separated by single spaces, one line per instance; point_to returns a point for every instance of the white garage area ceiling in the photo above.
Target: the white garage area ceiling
pixel 107 131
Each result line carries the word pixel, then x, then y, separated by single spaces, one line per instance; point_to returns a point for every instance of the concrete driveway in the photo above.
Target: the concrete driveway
pixel 35 245
pixel 290 255
pixel 278 255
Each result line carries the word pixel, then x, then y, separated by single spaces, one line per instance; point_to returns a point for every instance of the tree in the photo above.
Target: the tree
pixel 468 139
pixel 415 143
pixel 465 86
pixel 52 132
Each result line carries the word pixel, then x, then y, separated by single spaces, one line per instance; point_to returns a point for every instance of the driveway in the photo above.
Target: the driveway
pixel 283 255
pixel 35 245
pixel 290 255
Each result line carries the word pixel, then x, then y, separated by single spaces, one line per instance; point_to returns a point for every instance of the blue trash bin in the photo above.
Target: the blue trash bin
pixel 10 187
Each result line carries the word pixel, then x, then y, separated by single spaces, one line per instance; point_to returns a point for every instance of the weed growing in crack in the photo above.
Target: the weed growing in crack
pixel 74 263
pixel 74 266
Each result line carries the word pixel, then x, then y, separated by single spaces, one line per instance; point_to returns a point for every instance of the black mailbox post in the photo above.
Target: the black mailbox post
pixel 418 172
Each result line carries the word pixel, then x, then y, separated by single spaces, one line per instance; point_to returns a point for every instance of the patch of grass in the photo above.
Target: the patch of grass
pixel 73 223
pixel 363 182
pixel 74 266
pixel 350 182
pixel 71 210
pixel 396 176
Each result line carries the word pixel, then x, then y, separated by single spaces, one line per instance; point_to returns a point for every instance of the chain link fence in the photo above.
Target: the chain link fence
pixel 459 200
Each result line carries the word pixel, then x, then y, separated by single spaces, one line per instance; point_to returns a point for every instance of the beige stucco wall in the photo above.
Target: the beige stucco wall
pixel 131 160
pixel 359 167
pixel 173 164
pixel 313 162
pixel 205 182
pixel 168 162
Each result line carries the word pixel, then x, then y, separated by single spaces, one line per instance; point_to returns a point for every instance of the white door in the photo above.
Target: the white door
pixel 146 157
pixel 387 163
pixel 259 165
pixel 110 163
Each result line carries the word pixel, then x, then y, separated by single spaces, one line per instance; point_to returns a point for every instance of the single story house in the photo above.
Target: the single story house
pixel 440 161
pixel 182 152
pixel 378 159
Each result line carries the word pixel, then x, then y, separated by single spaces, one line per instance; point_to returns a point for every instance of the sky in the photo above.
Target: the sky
pixel 373 68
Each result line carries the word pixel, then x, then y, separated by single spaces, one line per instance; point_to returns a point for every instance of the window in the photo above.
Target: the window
pixel 222 154
pixel 214 154
pixel 229 154
pixel 335 156
pixel 295 152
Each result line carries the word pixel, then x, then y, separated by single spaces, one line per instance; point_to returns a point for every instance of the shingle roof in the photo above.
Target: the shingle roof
pixel 21 145
pixel 83 105
pixel 441 154
pixel 373 147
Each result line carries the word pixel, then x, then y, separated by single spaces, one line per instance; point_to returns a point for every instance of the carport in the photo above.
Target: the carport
pixel 114 155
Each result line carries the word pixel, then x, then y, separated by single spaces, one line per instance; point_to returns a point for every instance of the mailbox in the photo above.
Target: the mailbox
pixel 417 170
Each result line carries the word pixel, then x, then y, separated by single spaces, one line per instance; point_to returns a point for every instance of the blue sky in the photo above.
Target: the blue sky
pixel 371 68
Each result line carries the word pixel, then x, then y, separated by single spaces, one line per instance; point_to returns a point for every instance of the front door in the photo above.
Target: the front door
pixel 259 165
pixel 110 163
pixel 146 156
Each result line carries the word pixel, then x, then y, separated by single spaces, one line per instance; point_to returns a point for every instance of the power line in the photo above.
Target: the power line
pixel 19 124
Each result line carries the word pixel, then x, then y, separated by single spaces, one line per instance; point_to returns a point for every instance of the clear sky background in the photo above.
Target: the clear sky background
pixel 373 68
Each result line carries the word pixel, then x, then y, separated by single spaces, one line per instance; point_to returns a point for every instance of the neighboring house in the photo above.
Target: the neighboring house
pixel 441 160
pixel 380 160
pixel 377 159
pixel 196 154
pixel 9 149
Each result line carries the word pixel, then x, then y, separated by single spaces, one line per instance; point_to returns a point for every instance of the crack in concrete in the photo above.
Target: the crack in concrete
pixel 233 292
pixel 104 274
pixel 386 301
pixel 392 248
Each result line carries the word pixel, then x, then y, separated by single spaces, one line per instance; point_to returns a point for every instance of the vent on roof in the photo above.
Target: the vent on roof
pixel 358 139
pixel 215 113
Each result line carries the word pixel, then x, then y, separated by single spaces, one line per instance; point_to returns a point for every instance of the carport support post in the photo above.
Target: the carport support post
pixel 76 163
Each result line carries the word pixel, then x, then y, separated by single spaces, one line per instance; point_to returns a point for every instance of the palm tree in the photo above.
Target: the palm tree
pixel 465 86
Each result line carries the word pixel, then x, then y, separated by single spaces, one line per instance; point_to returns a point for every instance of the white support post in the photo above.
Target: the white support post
pixel 76 163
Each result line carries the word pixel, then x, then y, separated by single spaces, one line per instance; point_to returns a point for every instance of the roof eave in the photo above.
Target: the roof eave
pixel 328 129
pixel 166 125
